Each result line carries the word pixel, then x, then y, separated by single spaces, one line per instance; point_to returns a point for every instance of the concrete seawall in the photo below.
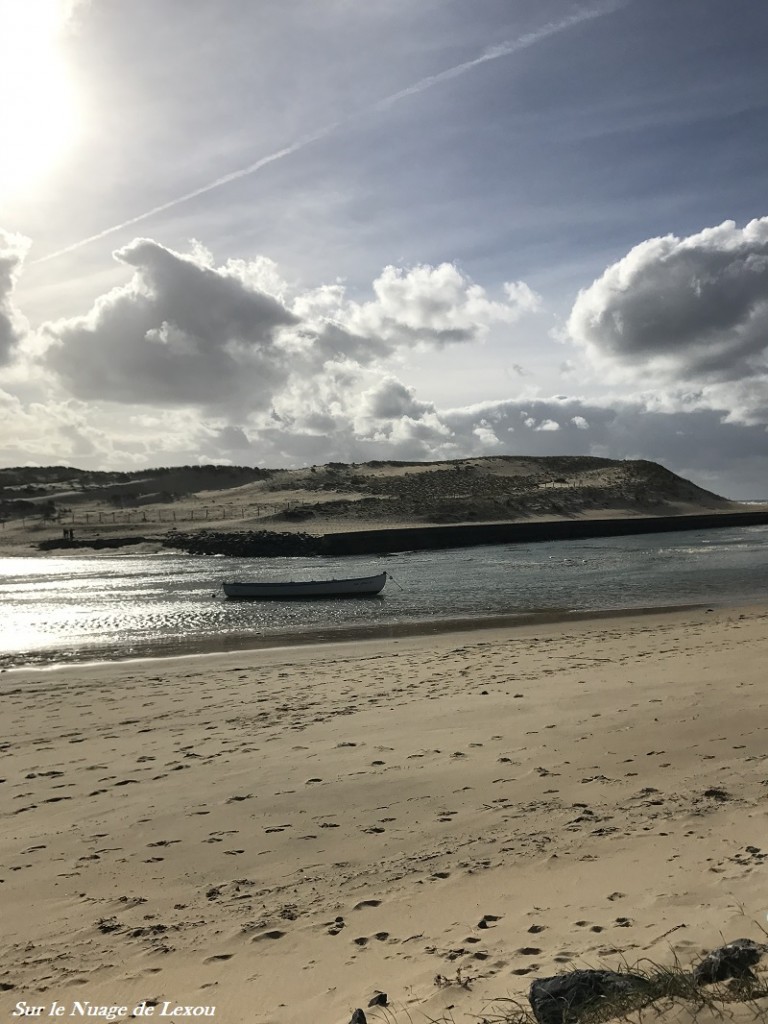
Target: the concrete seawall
pixel 420 538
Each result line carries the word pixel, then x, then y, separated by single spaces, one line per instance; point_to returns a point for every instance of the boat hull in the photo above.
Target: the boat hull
pixel 361 586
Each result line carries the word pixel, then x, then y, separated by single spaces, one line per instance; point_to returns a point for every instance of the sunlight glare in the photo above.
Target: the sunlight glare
pixel 38 112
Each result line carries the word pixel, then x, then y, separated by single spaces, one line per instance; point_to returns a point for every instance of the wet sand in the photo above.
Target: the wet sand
pixel 280 833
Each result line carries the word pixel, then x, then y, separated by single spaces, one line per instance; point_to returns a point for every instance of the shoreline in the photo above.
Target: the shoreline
pixel 281 833
pixel 222 644
pixel 347 539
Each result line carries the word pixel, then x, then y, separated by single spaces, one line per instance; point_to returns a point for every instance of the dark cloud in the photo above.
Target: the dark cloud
pixel 330 342
pixel 391 399
pixel 234 439
pixel 691 310
pixel 13 327
pixel 180 333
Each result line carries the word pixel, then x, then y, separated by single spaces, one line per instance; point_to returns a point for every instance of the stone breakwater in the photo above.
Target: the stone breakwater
pixel 249 543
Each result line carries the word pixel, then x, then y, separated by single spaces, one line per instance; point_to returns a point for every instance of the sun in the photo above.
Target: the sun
pixel 39 116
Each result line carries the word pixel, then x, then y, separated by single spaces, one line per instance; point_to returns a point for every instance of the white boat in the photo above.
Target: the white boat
pixel 360 586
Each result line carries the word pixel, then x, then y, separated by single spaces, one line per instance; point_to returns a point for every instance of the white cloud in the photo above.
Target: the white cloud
pixel 690 312
pixel 435 304
pixel 238 340
pixel 13 326
pixel 519 293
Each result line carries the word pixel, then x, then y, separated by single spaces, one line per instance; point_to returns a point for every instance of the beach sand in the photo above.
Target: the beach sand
pixel 279 834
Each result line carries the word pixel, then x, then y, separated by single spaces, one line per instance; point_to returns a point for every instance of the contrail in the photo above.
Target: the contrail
pixel 501 50
pixel 505 49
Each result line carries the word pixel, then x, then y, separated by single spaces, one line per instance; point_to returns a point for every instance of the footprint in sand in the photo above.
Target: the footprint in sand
pixel 273 934
pixel 367 903
pixel 219 956
pixel 487 920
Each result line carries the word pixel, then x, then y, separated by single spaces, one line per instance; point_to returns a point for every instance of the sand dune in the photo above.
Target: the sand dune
pixel 280 834
pixel 36 505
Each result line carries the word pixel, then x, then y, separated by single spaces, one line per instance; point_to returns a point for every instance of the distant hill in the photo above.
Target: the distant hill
pixel 343 496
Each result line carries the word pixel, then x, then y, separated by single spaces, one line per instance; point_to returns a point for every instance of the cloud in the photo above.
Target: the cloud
pixel 235 340
pixel 191 360
pixel 692 312
pixel 435 304
pixel 179 333
pixel 13 326
pixel 391 400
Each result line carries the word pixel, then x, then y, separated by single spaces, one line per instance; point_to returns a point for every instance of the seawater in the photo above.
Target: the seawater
pixel 76 608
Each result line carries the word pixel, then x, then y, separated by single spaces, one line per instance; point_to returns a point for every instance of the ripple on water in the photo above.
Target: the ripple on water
pixel 70 608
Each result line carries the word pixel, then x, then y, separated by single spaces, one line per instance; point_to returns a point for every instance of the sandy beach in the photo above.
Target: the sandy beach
pixel 280 834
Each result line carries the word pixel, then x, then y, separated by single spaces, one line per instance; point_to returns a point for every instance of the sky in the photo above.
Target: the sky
pixel 287 232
